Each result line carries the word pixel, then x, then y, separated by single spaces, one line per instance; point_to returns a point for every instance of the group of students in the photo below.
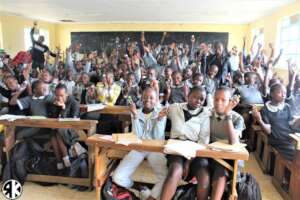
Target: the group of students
pixel 192 121
pixel 190 89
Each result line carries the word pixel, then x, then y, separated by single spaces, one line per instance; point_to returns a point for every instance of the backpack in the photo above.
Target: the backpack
pixel 111 191
pixel 248 188
pixel 79 167
pixel 15 166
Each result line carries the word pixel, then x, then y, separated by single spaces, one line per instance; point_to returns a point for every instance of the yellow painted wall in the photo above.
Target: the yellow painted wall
pixel 13 32
pixel 236 32
pixel 271 28
pixel 60 34
pixel 1 36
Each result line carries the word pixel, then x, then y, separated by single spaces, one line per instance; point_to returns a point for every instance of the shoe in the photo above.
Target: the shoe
pixel 145 193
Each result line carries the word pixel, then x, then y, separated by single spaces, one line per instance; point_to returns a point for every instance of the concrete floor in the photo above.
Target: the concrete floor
pixel 32 191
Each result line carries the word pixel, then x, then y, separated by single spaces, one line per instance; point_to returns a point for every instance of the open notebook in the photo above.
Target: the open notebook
pixel 223 145
pixel 15 117
pixel 185 148
pixel 126 138
pixel 94 107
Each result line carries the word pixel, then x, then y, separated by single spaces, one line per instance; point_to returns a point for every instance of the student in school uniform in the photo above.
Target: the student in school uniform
pixel 249 92
pixel 14 89
pixel 190 121
pixel 108 91
pixel 146 124
pixel 130 91
pixel 63 106
pixel 225 124
pixel 150 80
pixel 80 90
pixel 293 97
pixel 165 80
pixel 37 105
pixel 178 91
pixel 211 83
pixel 276 119
pixel 197 80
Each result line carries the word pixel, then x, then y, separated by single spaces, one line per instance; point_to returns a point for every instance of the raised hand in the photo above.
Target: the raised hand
pixel 259 45
pixel 232 103
pixel 271 46
pixel 133 110
pixel 256 114
pixel 193 39
pixel 163 112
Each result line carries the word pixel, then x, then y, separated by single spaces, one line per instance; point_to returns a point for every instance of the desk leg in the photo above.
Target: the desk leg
pixel 9 139
pixel 234 179
pixel 101 162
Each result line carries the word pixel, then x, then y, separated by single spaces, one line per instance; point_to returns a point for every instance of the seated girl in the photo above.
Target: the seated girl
pixel 228 125
pixel 190 121
pixel 276 120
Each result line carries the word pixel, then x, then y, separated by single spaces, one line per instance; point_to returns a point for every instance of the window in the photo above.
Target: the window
pixel 27 40
pixel 259 33
pixel 289 39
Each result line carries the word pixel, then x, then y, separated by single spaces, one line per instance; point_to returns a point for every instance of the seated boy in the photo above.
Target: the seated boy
pixel 146 124
pixel 63 106
pixel 190 121
pixel 225 124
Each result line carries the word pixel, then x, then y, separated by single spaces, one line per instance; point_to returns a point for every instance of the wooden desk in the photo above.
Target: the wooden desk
pixel 80 125
pixel 123 113
pixel 105 149
pixel 293 166
pixel 114 110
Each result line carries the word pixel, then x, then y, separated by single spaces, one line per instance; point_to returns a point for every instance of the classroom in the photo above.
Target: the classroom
pixel 150 99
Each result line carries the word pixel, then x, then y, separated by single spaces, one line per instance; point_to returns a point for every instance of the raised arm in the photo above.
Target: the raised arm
pixel 32 32
pixel 257 116
pixel 272 51
pixel 278 57
pixel 252 45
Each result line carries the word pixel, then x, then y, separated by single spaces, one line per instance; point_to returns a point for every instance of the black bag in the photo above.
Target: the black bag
pixel 15 166
pixel 186 192
pixel 248 188
pixel 111 191
pixel 79 167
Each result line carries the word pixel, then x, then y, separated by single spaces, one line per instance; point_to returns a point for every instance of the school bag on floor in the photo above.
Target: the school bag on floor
pixel 186 192
pixel 111 191
pixel 248 188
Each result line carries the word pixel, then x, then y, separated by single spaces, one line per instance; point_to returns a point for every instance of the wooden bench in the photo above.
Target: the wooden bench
pixel 263 151
pixel 282 166
pixel 123 113
pixel 106 151
pixel 79 125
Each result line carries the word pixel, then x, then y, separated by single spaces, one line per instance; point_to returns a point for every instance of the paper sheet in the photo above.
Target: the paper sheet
pixel 12 117
pixel 126 139
pixel 94 107
pixel 223 145
pixel 186 148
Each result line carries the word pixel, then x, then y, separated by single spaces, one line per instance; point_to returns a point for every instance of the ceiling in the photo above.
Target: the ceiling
pixel 145 11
